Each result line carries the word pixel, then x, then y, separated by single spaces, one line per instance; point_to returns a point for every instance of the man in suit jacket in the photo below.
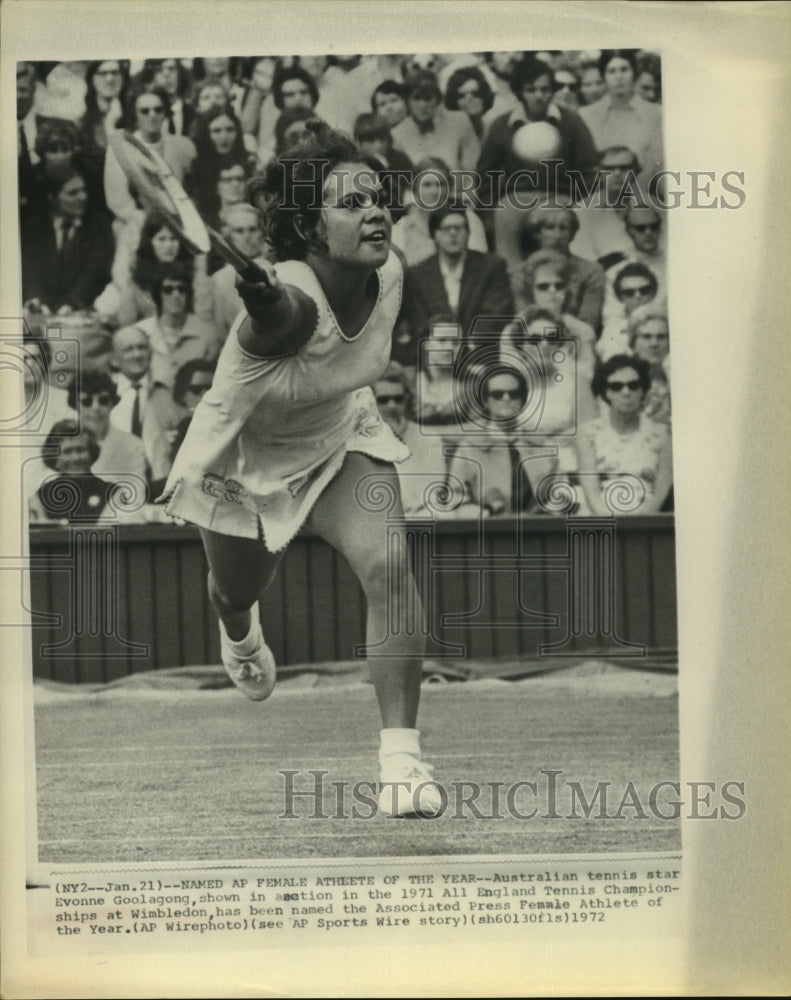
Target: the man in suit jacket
pixel 454 285
pixel 68 251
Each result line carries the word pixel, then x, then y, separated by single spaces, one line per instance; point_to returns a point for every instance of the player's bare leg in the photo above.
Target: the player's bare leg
pixel 240 570
pixel 395 641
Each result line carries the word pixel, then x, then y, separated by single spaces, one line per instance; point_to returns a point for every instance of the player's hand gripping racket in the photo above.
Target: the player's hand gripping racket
pixel 160 191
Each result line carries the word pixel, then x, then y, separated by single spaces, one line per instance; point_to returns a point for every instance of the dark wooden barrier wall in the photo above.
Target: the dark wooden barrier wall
pixel 109 601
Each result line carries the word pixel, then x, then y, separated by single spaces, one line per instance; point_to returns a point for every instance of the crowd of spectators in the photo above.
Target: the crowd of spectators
pixel 532 347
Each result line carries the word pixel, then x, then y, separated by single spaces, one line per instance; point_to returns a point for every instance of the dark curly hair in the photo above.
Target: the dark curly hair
pixel 459 78
pixel 293 73
pixel 614 364
pixel 527 70
pixel 134 95
pixel 184 376
pixel 290 191
pixel 175 271
pixel 635 269
pixel 67 429
pixel 91 382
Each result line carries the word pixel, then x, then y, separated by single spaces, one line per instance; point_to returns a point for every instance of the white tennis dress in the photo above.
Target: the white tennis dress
pixel 272 433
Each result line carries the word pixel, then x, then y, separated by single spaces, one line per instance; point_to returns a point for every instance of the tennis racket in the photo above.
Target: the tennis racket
pixel 160 191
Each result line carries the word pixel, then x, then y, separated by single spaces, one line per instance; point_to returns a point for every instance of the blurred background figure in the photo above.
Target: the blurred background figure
pixel 176 333
pixel 222 157
pixel 46 393
pixel 648 84
pixel 547 284
pixel 623 118
pixel 389 102
pixel 93 397
pixel 224 72
pixel 67 250
pixel 242 225
pixel 171 77
pixel 424 472
pixel 468 90
pixel 554 229
pixel 145 408
pixel 105 103
pixel 526 145
pixel 141 257
pixel 602 235
pixel 567 88
pixel 591 83
pixel 148 115
pixel 432 188
pixel 560 399
pixel 74 494
pixel 470 287
pixel 193 380
pixel 649 340
pixel 432 130
pixel 495 471
pixel 623 441
pixel 438 375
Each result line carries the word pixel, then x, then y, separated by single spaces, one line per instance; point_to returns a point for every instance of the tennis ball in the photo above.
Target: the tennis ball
pixel 536 141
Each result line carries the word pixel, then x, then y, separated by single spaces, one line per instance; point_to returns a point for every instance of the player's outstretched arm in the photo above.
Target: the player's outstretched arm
pixel 280 318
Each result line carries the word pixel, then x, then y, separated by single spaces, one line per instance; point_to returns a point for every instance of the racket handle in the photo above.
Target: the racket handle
pixel 252 273
pixel 243 265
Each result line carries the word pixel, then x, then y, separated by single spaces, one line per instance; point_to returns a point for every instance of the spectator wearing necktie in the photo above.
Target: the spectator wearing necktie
pixel 67 251
pixel 145 408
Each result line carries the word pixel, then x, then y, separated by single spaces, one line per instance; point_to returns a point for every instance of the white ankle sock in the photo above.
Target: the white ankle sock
pixel 399 741
pixel 247 645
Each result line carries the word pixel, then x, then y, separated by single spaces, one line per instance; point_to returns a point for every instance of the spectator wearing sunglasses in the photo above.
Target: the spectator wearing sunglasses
pixel 602 236
pixel 560 399
pixel 469 91
pixel 546 282
pixel 424 472
pixel 635 285
pixel 554 229
pixel 193 380
pixel 149 114
pixel 176 333
pixel 643 227
pixel 496 469
pixel 93 396
pixel 567 89
pixel 623 448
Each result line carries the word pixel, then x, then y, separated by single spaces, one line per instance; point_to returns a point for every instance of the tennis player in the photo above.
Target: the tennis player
pixel 289 430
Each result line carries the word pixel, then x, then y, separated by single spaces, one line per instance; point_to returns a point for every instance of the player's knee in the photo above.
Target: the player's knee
pixel 227 599
pixel 383 572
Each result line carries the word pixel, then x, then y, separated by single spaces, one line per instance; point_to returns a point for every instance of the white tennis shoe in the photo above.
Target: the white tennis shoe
pixel 407 789
pixel 254 673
